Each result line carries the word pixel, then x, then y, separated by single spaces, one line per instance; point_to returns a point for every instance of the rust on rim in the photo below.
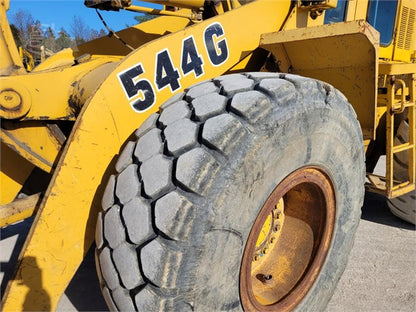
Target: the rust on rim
pixel 297 222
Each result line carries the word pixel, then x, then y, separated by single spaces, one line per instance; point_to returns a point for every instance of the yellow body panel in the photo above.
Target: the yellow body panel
pixel 135 37
pixel 46 102
pixel 405 40
pixel 35 143
pixel 13 174
pixel 18 210
pixel 10 62
pixel 329 59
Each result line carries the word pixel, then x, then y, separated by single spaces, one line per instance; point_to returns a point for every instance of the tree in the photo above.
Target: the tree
pixel 102 33
pixel 29 33
pixel 50 40
pixel 16 35
pixel 64 40
pixel 144 18
pixel 79 30
pixel 24 22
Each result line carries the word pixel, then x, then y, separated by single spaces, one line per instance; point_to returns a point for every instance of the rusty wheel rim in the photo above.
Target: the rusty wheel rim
pixel 280 279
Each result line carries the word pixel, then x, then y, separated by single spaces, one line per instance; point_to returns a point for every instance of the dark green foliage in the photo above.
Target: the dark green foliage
pixel 144 18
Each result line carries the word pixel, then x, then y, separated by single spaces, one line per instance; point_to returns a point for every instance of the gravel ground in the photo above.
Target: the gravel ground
pixel 381 272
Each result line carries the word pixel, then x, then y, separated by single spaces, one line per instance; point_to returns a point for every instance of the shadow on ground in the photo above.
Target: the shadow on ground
pixel 375 209
pixel 20 229
pixel 83 292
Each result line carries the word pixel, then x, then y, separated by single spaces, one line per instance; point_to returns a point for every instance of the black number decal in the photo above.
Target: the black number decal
pixel 166 74
pixel 141 92
pixel 218 53
pixel 191 61
pixel 141 87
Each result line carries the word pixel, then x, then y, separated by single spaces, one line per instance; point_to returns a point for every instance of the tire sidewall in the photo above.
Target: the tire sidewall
pixel 320 137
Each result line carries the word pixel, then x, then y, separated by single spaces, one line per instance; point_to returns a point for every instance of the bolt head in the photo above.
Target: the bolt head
pixel 10 100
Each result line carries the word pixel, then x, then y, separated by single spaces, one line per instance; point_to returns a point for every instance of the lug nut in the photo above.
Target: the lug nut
pixel 264 278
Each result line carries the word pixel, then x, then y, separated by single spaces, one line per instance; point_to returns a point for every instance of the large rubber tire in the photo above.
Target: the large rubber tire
pixel 177 215
pixel 403 206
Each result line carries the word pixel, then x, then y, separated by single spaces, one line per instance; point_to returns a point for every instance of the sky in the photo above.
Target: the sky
pixel 60 13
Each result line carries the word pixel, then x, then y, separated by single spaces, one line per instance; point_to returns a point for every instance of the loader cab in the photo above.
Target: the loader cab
pixel 396 22
pixel 381 15
pixel 337 14
pixel 394 19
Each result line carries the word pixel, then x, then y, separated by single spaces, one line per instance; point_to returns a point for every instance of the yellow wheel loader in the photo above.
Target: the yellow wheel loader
pixel 218 153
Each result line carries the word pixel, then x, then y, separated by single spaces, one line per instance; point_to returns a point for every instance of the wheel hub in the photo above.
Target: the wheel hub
pixel 288 242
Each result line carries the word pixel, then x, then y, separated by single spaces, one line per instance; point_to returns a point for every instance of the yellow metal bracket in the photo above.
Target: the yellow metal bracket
pixel 37 142
pixel 30 96
pixel 18 210
pixel 322 52
pixel 10 61
pixel 396 106
pixel 401 95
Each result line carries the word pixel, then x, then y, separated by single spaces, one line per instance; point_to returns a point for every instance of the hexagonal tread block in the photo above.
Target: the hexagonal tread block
pixel 157 175
pixel 114 229
pixel 175 112
pixel 252 105
pixel 174 215
pixel 110 274
pixel 149 145
pixel 223 132
pixel 148 124
pixel 157 259
pixel 232 85
pixel 125 157
pixel 137 217
pixel 147 300
pixel 258 76
pixel 108 197
pixel 128 185
pixel 181 136
pixel 126 262
pixel 282 91
pixel 201 89
pixel 209 105
pixel 177 97
pixel 123 300
pixel 195 170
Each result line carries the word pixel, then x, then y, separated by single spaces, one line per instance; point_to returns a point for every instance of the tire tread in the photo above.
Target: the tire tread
pixel 177 154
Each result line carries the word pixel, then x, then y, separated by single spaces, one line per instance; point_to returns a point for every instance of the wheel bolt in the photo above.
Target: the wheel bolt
pixel 264 278
pixel 276 226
